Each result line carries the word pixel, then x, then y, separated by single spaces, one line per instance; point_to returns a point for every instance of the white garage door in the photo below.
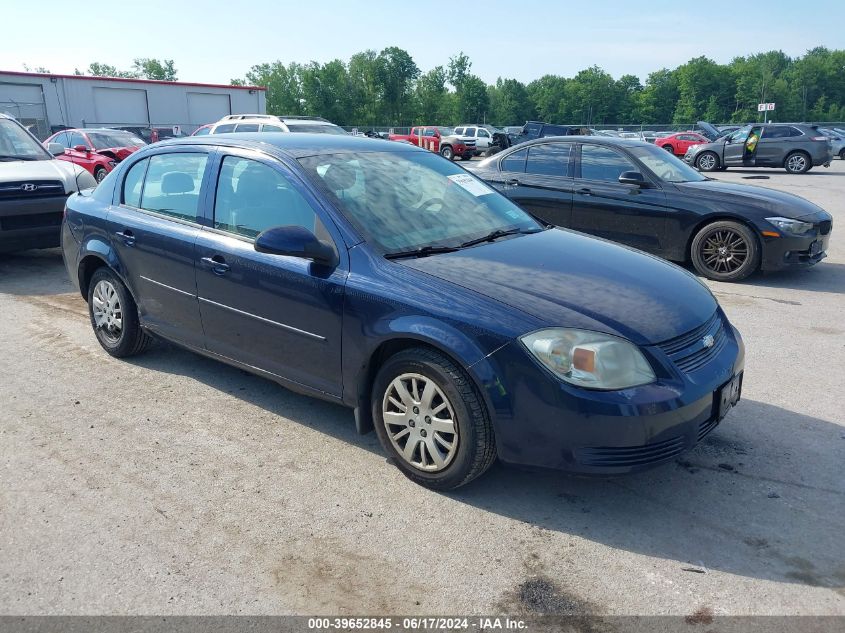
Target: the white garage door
pixel 206 107
pixel 121 106
pixel 25 102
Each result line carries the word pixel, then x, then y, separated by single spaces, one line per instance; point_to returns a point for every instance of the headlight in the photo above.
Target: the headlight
pixel 590 359
pixel 788 225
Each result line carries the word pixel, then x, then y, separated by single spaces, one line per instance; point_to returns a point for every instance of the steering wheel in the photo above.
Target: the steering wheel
pixel 432 202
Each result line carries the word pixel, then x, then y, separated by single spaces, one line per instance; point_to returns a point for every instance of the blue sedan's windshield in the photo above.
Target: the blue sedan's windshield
pixel 408 200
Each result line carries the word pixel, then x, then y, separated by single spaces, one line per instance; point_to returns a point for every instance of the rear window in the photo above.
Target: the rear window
pixel 316 128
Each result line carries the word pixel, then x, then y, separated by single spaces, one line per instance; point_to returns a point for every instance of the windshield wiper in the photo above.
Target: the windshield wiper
pixel 423 251
pixel 494 235
pixel 10 157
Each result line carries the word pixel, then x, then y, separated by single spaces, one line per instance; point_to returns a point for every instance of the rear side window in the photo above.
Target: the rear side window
pixel 226 127
pixel 172 184
pixel 252 197
pixel 133 183
pixel 515 161
pixel 246 127
pixel 470 131
pixel 603 163
pixel 549 159
pixel 776 132
pixel 271 128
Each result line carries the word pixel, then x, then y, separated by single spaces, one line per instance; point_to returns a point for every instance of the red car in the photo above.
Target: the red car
pixel 96 149
pixel 679 142
pixel 203 130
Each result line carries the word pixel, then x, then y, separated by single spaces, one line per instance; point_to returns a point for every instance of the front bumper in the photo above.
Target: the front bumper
pixel 542 421
pixel 794 251
pixel 26 224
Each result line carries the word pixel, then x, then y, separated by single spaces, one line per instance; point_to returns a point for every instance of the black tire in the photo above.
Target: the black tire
pixel 842 154
pixel 495 149
pixel 797 163
pixel 476 448
pixel 100 173
pixel 669 149
pixel 710 161
pixel 130 339
pixel 467 157
pixel 710 262
pixel 447 153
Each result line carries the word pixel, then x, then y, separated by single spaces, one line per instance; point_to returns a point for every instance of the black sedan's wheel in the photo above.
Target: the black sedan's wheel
pixel 797 163
pixel 430 418
pixel 447 153
pixel 725 251
pixel 114 316
pixel 707 161
pixel 100 173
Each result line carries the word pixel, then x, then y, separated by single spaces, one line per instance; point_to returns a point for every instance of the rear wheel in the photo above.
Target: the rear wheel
pixel 707 161
pixel 797 163
pixel 669 149
pixel 447 153
pixel 725 251
pixel 114 316
pixel 842 154
pixel 430 419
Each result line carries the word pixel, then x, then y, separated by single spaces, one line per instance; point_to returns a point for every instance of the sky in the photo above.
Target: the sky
pixel 214 41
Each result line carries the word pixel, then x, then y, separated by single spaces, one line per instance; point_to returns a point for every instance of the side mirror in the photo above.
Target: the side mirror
pixel 296 241
pixel 81 148
pixel 56 149
pixel 633 178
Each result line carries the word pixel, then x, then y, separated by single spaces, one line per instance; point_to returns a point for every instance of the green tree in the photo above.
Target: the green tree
pixel 659 96
pixel 97 69
pixel 396 73
pixel 509 102
pixel 283 83
pixel 151 68
pixel 432 97
pixel 547 96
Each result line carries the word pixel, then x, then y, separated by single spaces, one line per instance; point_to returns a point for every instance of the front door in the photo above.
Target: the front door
pixel 277 313
pixel 603 206
pixel 153 230
pixel 734 153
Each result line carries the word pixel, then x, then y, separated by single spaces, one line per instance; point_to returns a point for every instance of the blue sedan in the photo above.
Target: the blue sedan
pixel 383 277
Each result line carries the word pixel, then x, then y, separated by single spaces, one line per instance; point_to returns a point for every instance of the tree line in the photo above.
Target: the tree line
pixel 387 88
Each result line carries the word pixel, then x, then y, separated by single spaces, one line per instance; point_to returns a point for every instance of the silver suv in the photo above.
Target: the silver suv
pixel 792 146
pixel 272 123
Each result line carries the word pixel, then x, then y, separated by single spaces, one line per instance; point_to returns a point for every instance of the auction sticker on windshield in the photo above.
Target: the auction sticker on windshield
pixel 472 185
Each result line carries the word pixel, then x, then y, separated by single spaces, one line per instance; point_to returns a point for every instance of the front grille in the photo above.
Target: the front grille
pixel 31 189
pixel 824 227
pixel 688 351
pixel 623 456
pixel 31 221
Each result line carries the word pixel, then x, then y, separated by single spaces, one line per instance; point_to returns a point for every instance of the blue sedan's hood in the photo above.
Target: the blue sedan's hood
pixel 568 279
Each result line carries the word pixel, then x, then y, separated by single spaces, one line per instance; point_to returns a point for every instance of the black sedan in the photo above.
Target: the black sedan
pixel 637 194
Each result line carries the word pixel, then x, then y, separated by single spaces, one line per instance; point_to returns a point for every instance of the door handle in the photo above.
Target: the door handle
pixel 217 264
pixel 584 191
pixel 127 236
pixel 513 182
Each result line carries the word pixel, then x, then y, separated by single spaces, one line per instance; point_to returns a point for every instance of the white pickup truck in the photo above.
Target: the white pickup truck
pixel 33 188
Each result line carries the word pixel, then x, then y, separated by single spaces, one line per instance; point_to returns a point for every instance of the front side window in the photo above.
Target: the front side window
pixel 603 163
pixel 549 159
pixel 172 184
pixel 483 133
pixel 252 197
pixel 403 200
pixel 134 182
pixel 664 165
pixel 77 139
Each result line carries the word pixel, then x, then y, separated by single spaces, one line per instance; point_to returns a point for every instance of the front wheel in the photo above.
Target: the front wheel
pixel 725 251
pixel 431 420
pixel 708 161
pixel 100 173
pixel 842 154
pixel 114 316
pixel 447 153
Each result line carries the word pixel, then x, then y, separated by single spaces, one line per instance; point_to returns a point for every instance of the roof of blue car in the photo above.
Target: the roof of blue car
pixel 297 144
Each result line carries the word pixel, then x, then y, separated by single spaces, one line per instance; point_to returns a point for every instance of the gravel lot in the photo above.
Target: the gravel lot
pixel 171 484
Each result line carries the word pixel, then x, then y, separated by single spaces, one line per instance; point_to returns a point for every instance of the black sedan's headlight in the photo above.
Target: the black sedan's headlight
pixel 790 226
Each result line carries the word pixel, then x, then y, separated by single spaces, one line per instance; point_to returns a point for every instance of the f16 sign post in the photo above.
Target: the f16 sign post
pixel 764 108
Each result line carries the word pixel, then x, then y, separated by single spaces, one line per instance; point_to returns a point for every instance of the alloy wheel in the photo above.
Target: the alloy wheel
pixel 724 251
pixel 796 163
pixel 420 422
pixel 707 162
pixel 108 314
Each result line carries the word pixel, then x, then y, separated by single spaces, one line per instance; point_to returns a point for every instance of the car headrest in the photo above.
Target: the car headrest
pixel 176 182
pixel 339 177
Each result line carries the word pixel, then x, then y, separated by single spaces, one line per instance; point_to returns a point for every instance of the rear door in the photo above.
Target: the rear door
pixel 279 314
pixel 545 187
pixel 153 230
pixel 603 206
